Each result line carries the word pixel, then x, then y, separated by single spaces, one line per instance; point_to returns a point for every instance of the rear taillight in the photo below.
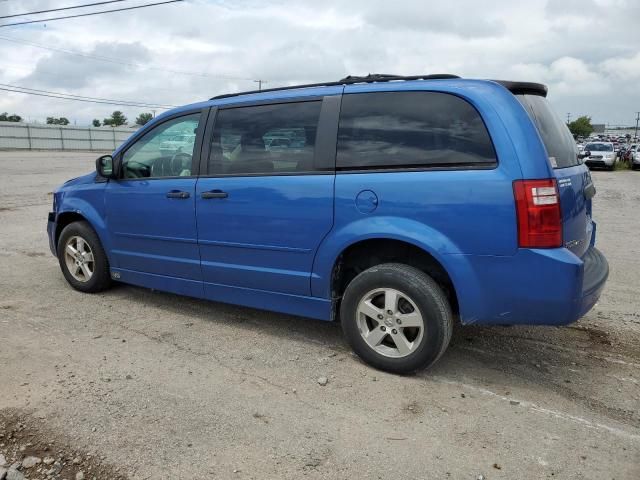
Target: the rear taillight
pixel 539 215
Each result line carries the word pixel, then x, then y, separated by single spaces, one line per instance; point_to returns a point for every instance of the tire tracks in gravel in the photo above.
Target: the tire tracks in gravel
pixel 521 367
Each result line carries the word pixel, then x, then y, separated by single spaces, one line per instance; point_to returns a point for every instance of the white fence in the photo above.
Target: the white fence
pixel 25 136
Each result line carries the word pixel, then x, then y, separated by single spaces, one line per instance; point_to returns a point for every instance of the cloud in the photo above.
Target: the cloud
pixel 434 17
pixel 587 51
pixel 73 72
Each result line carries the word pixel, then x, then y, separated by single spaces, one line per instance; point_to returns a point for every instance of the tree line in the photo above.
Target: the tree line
pixel 116 119
pixel 5 117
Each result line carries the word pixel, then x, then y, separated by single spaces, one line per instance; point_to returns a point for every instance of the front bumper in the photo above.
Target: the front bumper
pixel 51 233
pixel 599 162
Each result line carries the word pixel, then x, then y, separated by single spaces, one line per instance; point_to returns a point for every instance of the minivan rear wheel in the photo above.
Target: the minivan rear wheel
pixel 82 259
pixel 396 318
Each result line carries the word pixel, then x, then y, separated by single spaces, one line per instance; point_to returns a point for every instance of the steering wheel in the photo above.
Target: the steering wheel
pixel 181 162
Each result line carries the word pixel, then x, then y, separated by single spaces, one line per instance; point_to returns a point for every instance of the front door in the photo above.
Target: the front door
pixel 266 202
pixel 151 208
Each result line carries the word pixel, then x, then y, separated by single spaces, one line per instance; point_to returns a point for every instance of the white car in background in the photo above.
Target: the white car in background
pixel 600 154
pixel 635 156
pixel 178 144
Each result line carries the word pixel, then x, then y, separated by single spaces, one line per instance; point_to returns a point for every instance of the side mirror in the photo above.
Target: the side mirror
pixel 587 153
pixel 104 166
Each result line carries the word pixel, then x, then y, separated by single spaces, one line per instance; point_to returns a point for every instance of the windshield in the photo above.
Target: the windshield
pixel 599 147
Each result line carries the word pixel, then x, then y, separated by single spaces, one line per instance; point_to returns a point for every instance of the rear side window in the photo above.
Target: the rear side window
pixel 265 139
pixel 411 130
pixel 556 137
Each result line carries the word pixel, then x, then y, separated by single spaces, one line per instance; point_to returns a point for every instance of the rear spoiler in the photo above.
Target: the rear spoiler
pixel 524 88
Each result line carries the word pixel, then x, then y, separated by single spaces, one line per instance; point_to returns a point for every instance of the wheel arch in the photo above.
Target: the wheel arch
pixel 366 253
pixel 88 215
pixel 67 218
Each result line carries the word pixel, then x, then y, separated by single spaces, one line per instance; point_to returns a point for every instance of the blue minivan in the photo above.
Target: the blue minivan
pixel 391 204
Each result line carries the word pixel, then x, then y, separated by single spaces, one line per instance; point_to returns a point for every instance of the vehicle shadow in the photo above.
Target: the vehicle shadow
pixel 561 360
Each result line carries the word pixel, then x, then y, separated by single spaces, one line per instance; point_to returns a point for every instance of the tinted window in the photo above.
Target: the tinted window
pixel 410 129
pixel 556 136
pixel 164 151
pixel 266 139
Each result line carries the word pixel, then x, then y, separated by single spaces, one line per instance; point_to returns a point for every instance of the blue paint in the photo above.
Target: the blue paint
pixel 274 241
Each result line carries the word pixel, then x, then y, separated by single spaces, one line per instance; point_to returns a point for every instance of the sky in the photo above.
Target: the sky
pixel 586 51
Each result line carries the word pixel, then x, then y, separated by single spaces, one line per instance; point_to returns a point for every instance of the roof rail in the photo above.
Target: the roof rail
pixel 514 87
pixel 351 79
pixel 383 77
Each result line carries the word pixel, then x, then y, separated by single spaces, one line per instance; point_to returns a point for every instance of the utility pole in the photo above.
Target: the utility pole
pixel 637 120
pixel 260 82
pixel 154 113
pixel 568 118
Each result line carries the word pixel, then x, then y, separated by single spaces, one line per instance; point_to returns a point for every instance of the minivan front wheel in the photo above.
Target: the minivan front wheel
pixel 82 258
pixel 396 318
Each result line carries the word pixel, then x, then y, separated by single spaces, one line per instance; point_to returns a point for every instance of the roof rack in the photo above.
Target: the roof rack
pixel 349 80
pixel 513 87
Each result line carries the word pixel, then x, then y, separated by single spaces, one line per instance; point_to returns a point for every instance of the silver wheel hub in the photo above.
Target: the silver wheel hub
pixel 78 258
pixel 390 322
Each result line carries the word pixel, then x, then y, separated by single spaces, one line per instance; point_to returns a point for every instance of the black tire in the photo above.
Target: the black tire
pixel 430 300
pixel 101 279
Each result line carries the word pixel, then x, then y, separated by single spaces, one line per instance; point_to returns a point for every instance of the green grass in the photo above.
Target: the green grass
pixel 622 165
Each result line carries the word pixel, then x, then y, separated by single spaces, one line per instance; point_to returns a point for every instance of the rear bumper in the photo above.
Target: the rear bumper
pixel 51 233
pixel 595 274
pixel 532 287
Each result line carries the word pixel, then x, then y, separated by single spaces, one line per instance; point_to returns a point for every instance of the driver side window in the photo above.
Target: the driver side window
pixel 164 151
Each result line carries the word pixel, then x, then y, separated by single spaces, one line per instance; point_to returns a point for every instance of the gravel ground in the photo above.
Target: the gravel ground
pixel 142 384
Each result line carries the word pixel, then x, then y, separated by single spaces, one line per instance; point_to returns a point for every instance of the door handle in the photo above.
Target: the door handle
pixel 178 194
pixel 214 194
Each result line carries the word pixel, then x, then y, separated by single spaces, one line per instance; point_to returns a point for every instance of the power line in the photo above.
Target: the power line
pixel 62 8
pixel 120 62
pixel 115 102
pixel 89 14
pixel 80 98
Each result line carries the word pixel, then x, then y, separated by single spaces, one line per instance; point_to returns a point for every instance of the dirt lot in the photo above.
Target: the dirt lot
pixel 145 384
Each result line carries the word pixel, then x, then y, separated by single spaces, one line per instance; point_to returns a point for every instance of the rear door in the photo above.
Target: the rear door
pixel 266 200
pixel 574 179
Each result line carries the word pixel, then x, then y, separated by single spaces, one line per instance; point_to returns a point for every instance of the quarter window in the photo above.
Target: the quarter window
pixel 555 135
pixel 265 139
pixel 164 151
pixel 409 130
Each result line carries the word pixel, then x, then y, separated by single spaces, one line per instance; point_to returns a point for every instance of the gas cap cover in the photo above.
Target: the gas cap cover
pixel 366 201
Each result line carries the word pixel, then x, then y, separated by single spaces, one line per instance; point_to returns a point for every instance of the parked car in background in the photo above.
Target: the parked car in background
pixel 635 157
pixel 399 204
pixel 600 154
pixel 177 144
